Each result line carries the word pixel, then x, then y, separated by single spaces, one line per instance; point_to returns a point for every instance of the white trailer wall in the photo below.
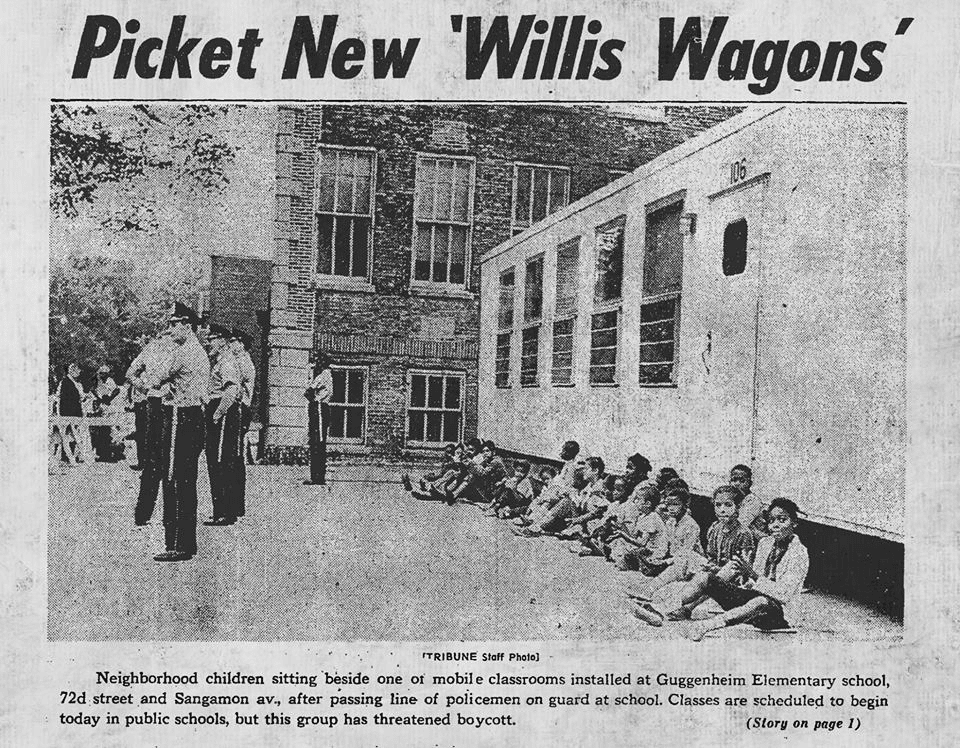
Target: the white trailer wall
pixel 796 364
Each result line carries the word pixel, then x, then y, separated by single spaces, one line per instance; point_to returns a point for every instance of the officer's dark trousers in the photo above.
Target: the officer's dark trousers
pixel 225 461
pixel 182 441
pixel 149 415
pixel 319 419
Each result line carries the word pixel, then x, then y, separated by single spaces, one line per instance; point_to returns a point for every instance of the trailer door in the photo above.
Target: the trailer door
pixel 730 254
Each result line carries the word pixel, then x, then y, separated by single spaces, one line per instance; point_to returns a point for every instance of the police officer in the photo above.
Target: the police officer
pixel 148 367
pixel 224 450
pixel 187 375
pixel 240 343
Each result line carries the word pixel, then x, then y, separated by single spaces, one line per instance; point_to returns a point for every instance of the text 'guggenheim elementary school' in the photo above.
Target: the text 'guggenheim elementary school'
pixel 706 285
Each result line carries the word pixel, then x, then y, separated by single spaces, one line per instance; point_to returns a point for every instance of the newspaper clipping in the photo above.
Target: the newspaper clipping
pixel 487 374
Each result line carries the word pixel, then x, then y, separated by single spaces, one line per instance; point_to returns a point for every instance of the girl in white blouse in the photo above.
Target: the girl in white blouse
pixel 773 581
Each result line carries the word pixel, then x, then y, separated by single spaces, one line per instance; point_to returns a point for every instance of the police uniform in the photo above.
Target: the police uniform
pixel 148 412
pixel 224 446
pixel 187 374
pixel 318 412
pixel 248 378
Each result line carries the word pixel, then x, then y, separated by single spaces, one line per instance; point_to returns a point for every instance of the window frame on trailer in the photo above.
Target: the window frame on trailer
pixel 673 200
pixel 502 330
pixel 532 323
pixel 516 228
pixel 561 316
pixel 431 284
pixel 370 150
pixel 411 373
pixel 365 368
pixel 606 306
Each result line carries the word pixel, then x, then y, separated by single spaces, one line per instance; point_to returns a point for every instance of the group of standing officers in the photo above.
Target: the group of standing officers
pixel 187 401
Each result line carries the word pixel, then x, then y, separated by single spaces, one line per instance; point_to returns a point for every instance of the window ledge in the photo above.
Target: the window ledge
pixel 658 385
pixel 343 283
pixel 437 290
pixel 604 384
pixel 563 384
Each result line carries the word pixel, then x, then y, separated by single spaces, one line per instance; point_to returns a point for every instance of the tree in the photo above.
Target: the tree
pixel 160 154
pixel 126 183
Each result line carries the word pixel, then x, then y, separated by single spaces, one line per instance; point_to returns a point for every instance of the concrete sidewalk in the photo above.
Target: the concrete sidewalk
pixel 364 562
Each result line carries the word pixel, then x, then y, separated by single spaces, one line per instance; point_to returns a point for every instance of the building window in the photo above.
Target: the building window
pixel 507 287
pixel 568 276
pixel 562 372
pixel 609 260
pixel 565 311
pixel 344 210
pixel 533 290
pixel 658 340
pixel 502 369
pixel 443 211
pixel 435 407
pixel 603 347
pixel 660 309
pixel 538 191
pixel 347 406
pixel 530 357
pixel 735 247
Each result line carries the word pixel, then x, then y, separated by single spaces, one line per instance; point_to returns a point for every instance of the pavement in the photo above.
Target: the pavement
pixel 363 562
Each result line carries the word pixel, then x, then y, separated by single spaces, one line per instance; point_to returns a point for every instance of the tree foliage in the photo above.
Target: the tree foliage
pixel 125 181
pixel 157 153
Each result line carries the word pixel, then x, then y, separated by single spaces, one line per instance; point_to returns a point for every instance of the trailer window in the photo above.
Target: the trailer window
pixel 609 260
pixel 530 357
pixel 562 373
pixel 533 290
pixel 507 285
pixel 735 247
pixel 502 363
pixel 603 347
pixel 658 341
pixel 660 308
pixel 568 274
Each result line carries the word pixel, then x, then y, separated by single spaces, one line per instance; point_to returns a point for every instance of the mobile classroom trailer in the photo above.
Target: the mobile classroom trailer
pixel 739 299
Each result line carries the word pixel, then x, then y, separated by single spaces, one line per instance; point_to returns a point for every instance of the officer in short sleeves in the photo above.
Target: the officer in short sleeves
pixel 187 376
pixel 223 421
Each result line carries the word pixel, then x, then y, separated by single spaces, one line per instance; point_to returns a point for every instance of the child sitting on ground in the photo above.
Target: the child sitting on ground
pixel 752 513
pixel 448 462
pixel 590 497
pixel 587 529
pixel 773 581
pixel 683 539
pixel 513 495
pixel 640 545
pixel 555 489
pixel 484 472
pixel 727 540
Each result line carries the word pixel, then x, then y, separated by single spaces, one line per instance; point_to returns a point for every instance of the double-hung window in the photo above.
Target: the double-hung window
pixel 538 191
pixel 608 288
pixel 443 213
pixel 344 203
pixel 435 407
pixel 347 407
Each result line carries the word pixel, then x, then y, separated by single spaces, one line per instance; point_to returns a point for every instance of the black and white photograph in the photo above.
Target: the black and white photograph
pixel 477 372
